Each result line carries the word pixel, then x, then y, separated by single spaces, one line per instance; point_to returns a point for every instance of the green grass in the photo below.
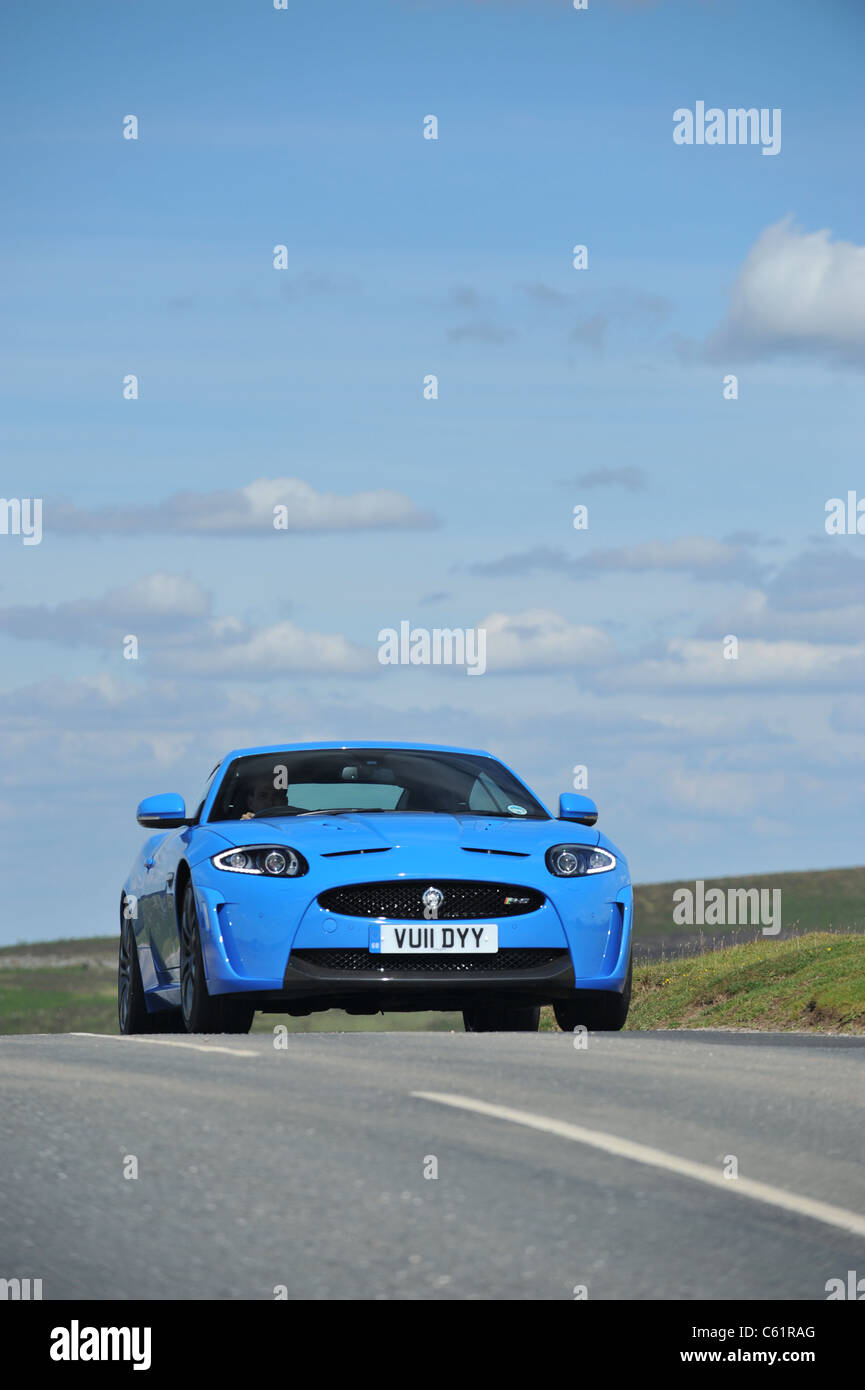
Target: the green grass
pixel 59 999
pixel 77 993
pixel 814 982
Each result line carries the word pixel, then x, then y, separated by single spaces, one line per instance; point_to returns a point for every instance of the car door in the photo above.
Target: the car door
pixel 166 857
pixel 160 865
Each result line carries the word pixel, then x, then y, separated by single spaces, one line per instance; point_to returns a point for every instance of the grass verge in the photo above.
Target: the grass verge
pixel 77 993
pixel 813 983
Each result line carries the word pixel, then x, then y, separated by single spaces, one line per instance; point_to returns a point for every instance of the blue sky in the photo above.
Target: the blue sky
pixel 556 387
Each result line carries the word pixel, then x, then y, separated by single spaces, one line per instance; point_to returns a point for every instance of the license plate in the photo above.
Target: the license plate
pixel 434 939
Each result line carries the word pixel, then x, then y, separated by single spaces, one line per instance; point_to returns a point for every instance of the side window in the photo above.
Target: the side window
pixel 208 784
pixel 480 797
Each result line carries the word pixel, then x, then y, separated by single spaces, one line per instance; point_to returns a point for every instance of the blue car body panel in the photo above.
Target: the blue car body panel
pixel 250 924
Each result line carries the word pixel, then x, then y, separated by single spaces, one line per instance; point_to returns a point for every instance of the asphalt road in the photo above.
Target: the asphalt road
pixel 304 1168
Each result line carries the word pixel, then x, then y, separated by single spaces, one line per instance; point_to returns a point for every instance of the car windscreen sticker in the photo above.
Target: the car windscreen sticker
pixel 518 810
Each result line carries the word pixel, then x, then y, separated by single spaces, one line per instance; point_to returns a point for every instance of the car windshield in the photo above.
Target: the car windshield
pixel 343 780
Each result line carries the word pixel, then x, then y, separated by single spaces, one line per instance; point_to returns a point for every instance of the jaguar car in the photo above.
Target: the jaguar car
pixel 372 878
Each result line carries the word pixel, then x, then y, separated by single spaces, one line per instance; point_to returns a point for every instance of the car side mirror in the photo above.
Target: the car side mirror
pixel 165 812
pixel 581 809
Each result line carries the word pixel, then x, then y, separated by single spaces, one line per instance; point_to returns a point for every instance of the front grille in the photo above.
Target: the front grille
pixel 402 901
pixel 511 960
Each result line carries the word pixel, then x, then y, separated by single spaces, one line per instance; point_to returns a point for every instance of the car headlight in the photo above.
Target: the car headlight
pixel 272 861
pixel 575 861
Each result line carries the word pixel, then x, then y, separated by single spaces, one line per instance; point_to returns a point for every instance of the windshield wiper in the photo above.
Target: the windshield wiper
pixel 321 811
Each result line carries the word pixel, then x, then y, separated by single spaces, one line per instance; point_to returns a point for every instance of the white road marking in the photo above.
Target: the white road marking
pixel 169 1042
pixel 657 1158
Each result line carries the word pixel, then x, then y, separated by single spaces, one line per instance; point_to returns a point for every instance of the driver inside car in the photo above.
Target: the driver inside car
pixel 261 796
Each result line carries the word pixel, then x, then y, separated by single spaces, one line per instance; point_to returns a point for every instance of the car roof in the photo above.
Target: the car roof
pixel 356 743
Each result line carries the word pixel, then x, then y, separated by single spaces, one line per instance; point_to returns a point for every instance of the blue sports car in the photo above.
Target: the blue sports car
pixel 372 877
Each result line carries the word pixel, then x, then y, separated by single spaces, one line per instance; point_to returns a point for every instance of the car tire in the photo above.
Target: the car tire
pixel 501 1018
pixel 601 1011
pixel 201 1011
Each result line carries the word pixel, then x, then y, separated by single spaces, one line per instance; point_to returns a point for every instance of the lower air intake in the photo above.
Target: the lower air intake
pixel 511 961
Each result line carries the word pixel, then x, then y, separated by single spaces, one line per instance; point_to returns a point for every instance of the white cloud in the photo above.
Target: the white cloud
pixel 539 640
pixel 181 637
pixel 171 603
pixel 687 664
pixel 796 291
pixel 279 650
pixel 701 557
pixel 818 596
pixel 247 511
pixel 759 615
pixel 160 595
